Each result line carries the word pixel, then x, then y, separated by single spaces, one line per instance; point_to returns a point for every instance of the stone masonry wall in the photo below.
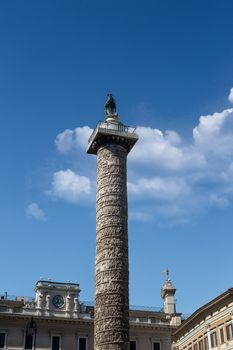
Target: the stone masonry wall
pixel 111 269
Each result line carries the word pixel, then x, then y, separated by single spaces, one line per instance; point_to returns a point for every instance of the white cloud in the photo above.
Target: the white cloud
pixel 64 141
pixel 176 177
pixel 34 211
pixel 230 96
pixel 214 134
pixel 82 135
pixel 71 139
pixel 70 186
pixel 161 188
pixel 165 151
pixel 218 200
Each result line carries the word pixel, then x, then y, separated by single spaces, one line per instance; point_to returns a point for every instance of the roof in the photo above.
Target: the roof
pixel 203 310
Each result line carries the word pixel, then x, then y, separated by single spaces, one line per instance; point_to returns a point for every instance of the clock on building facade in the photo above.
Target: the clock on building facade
pixel 58 301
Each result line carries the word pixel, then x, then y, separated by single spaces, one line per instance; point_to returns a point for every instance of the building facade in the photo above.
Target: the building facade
pixel 55 319
pixel 208 328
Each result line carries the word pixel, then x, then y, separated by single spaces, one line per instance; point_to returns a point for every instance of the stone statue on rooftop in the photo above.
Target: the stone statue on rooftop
pixel 166 274
pixel 110 106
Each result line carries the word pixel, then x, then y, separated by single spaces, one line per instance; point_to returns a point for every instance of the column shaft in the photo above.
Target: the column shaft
pixel 111 267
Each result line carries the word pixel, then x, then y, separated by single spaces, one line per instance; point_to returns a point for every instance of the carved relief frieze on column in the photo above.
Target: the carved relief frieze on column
pixel 111 278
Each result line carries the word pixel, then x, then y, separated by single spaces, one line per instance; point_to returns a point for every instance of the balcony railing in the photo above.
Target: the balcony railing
pixel 113 126
pixel 14 297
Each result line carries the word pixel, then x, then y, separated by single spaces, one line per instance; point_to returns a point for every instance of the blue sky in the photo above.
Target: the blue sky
pixel 170 67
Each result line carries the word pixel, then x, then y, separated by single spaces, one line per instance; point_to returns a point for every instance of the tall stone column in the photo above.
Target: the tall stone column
pixel 111 141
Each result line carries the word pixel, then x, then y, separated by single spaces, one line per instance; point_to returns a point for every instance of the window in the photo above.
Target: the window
pixel 229 329
pixel 200 345
pixel 154 320
pixel 195 346
pixel 82 343
pixel 17 310
pixel 221 331
pixel 2 340
pixel 3 308
pixel 213 339
pixel 55 342
pixel 206 343
pixel 28 341
pixel 156 346
pixel 132 345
